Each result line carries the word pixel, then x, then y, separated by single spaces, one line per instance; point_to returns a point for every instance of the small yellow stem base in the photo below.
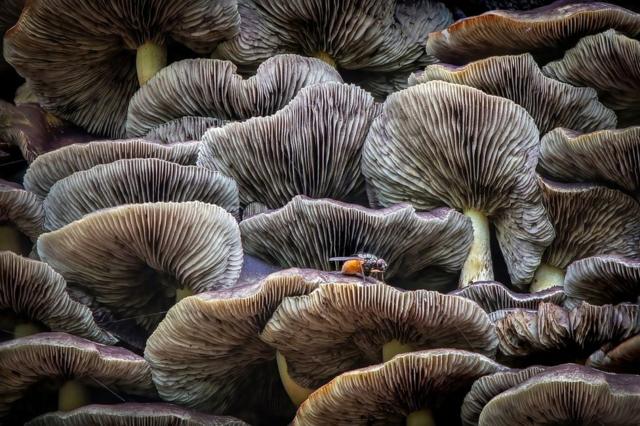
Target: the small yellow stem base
pixel 181 293
pixel 297 393
pixel 26 329
pixel 393 348
pixel 478 266
pixel 421 418
pixel 325 57
pixel 72 395
pixel 546 276
pixel 150 59
pixel 11 239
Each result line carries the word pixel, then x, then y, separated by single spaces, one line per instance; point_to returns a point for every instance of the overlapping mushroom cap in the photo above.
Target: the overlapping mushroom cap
pixel 421 388
pixel 542 31
pixel 183 129
pixel 493 296
pixel 212 88
pixel 135 181
pixel 32 293
pixel 551 103
pixel 21 218
pixel 90 78
pixel 307 232
pixel 138 258
pixel 618 358
pixel 49 168
pixel 439 144
pixel 310 147
pixel 610 63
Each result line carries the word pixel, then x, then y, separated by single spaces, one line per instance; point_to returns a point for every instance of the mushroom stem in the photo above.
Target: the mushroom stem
pixel 478 266
pixel 421 418
pixel 181 293
pixel 325 57
pixel 12 240
pixel 25 329
pixel 393 348
pixel 297 393
pixel 547 276
pixel 72 395
pixel 150 59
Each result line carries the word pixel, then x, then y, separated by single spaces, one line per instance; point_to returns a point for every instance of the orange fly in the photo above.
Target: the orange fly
pixel 362 264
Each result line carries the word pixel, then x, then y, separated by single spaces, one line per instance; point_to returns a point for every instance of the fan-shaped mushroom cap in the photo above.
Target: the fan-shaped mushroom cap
pixel 621 358
pixel 310 147
pixel 21 218
pixel 606 156
pixel 493 296
pixel 440 144
pixel 133 181
pixel 431 383
pixel 58 356
pixel 568 394
pixel 135 257
pixel 90 79
pixel 183 129
pixel 610 63
pixel 212 88
pixel 49 168
pixel 543 31
pixel 551 103
pixel 307 232
pixel 132 414
pixel 9 14
pixel 33 289
pixel 218 334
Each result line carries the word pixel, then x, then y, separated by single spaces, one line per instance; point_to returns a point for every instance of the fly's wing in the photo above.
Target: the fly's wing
pixel 343 259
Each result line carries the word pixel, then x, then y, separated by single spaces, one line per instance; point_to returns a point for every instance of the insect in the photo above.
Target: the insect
pixel 362 264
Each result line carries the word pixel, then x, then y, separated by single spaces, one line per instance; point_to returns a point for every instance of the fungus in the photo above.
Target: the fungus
pixel 183 129
pixel 618 358
pixel 21 218
pixel 493 296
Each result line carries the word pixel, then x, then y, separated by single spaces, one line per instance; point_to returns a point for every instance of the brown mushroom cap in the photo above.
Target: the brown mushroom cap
pixel 90 79
pixel 9 14
pixel 49 168
pixel 132 414
pixel 134 181
pixel 551 103
pixel 493 296
pixel 212 88
pixel 568 394
pixel 469 151
pixel 135 257
pixel 310 147
pixel 540 31
pixel 307 232
pixel 33 289
pixel 21 208
pixel 606 156
pixel 621 358
pixel 388 393
pixel 183 129
pixel 608 62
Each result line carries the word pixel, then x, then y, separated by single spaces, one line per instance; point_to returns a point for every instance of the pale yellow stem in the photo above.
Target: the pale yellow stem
pixel 298 394
pixel 72 395
pixel 25 329
pixel 181 293
pixel 325 57
pixel 421 418
pixel 393 348
pixel 478 266
pixel 547 276
pixel 11 239
pixel 150 59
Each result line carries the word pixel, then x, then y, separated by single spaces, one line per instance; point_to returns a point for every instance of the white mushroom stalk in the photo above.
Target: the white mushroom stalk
pixel 420 418
pixel 393 348
pixel 150 58
pixel 71 395
pixel 298 394
pixel 12 240
pixel 478 266
pixel 547 276
pixel 326 57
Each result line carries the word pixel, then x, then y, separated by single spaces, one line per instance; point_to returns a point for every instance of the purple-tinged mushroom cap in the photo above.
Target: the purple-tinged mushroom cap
pixel 620 358
pixel 183 129
pixel 493 296
pixel 21 218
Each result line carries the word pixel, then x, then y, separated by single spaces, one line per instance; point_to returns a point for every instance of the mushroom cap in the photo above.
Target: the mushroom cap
pixel 386 394
pixel 600 280
pixel 539 31
pixel 621 358
pixel 551 103
pixel 589 220
pixel 568 394
pixel 34 289
pixel 90 79
pixel 605 156
pixel 307 232
pixel 183 129
pixel 29 360
pixel 10 12
pixel 133 181
pixel 341 327
pixel 610 63
pixel 49 168
pixel 21 208
pixel 134 257
pixel 441 144
pixel 213 88
pixel 132 414
pixel 493 296
pixel 310 147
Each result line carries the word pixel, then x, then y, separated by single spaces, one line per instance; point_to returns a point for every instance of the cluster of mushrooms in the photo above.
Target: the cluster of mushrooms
pixel 178 176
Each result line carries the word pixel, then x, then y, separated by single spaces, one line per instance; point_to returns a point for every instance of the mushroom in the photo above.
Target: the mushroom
pixel 132 414
pixel 58 369
pixel 380 36
pixel 212 88
pixel 341 327
pixel 310 147
pixel 545 32
pixel 33 296
pixel 493 296
pixel 9 14
pixel 441 144
pixel 608 62
pixel 21 218
pixel 551 103
pixel 49 168
pixel 618 358
pixel 132 181
pixel 183 129
pixel 418 388
pixel 138 259
pixel 307 233
pixel 108 50
pixel 589 220
pixel 607 157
